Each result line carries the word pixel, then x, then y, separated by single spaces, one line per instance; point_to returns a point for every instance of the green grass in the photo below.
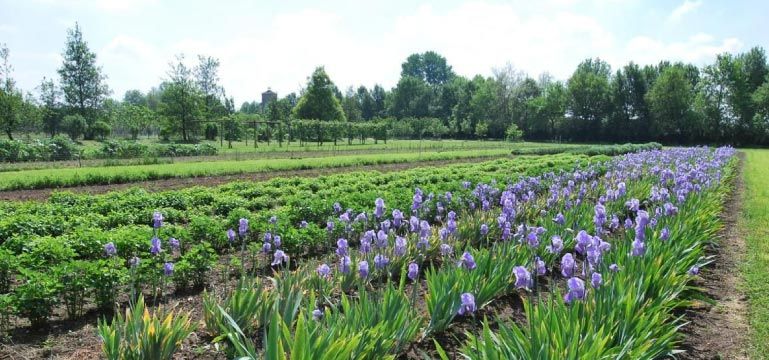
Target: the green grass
pixel 755 220
pixel 49 178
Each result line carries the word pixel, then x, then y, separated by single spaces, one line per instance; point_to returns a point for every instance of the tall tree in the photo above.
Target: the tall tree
pixel 319 102
pixel 182 102
pixel 411 98
pixel 207 80
pixel 50 106
pixel 351 106
pixel 135 97
pixel 379 95
pixel 11 99
pixel 366 103
pixel 429 66
pixel 81 80
pixel 589 99
pixel 671 101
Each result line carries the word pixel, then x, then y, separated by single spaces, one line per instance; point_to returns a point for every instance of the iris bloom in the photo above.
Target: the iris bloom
pixel 568 265
pixel 467 304
pixel 413 271
pixel 467 261
pixel 522 277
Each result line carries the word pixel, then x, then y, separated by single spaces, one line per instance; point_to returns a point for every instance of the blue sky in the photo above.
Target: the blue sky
pixel 278 43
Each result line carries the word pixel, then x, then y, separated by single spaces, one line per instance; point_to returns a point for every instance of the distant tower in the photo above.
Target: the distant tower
pixel 268 97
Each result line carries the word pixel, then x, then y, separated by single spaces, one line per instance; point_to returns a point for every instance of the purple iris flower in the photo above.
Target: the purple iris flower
pixel 413 271
pixel 400 246
pixel 413 224
pixel 266 247
pixel 467 305
pixel 446 250
pixel 576 290
pixel 583 241
pixel 670 209
pixel 324 271
pixel 168 269
pixel 155 246
pixel 365 245
pixel 134 262
pixel 330 226
pixel 380 261
pixel 639 248
pixel 532 239
pixel 424 229
pixel 467 261
pixel 276 241
pixel 556 245
pixel 385 225
pixel 110 249
pixel 317 314
pixel 157 219
pixel 614 268
pixel 559 219
pixel 484 229
pixel 379 208
pixel 267 237
pixel 337 208
pixel 596 280
pixel 628 223
pixel 397 218
pixel 273 219
pixel 345 217
pixel 522 277
pixel 344 264
pixel 694 270
pixel 303 224
pixel 363 269
pixel 600 216
pixel 231 235
pixel 451 225
pixel 665 234
pixel 540 266
pixel 174 243
pixel 242 227
pixel 341 247
pixel 381 239
pixel 279 258
pixel 568 265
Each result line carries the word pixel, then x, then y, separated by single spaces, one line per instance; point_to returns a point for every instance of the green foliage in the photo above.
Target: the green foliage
pixel 194 266
pixel 141 335
pixel 74 126
pixel 8 269
pixel 319 101
pixel 36 297
pixel 56 148
pixel 513 133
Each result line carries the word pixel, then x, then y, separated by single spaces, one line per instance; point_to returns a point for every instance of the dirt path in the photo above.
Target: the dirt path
pixel 720 331
pixel 179 183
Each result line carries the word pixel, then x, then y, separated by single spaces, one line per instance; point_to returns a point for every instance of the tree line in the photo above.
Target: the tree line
pixel 670 102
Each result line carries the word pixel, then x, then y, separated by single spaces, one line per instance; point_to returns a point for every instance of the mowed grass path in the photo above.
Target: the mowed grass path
pixel 67 177
pixel 755 220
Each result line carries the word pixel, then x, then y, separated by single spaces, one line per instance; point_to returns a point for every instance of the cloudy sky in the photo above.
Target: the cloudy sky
pixel 278 43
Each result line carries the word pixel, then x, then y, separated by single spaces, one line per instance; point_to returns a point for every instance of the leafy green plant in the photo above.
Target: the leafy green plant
pixel 194 266
pixel 74 284
pixel 8 268
pixel 36 296
pixel 141 335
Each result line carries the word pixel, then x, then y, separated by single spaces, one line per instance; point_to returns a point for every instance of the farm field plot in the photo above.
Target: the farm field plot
pixel 529 257
pixel 70 177
pixel 241 151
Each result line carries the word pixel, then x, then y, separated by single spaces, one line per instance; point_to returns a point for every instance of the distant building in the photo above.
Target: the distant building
pixel 268 97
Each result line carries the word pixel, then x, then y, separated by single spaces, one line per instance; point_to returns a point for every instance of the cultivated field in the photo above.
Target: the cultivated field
pixel 571 255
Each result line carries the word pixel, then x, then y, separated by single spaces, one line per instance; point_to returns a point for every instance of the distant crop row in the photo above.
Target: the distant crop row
pixel 56 178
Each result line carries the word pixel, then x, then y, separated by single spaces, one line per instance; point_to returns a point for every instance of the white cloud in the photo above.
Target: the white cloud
pixel 685 8
pixel 698 49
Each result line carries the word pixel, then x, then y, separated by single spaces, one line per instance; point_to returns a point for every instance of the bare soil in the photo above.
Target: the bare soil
pixel 180 183
pixel 720 330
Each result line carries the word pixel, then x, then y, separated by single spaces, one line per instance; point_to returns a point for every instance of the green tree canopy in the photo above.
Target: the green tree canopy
pixel 319 101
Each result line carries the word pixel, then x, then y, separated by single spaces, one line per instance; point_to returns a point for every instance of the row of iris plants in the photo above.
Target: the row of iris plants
pixel 601 254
